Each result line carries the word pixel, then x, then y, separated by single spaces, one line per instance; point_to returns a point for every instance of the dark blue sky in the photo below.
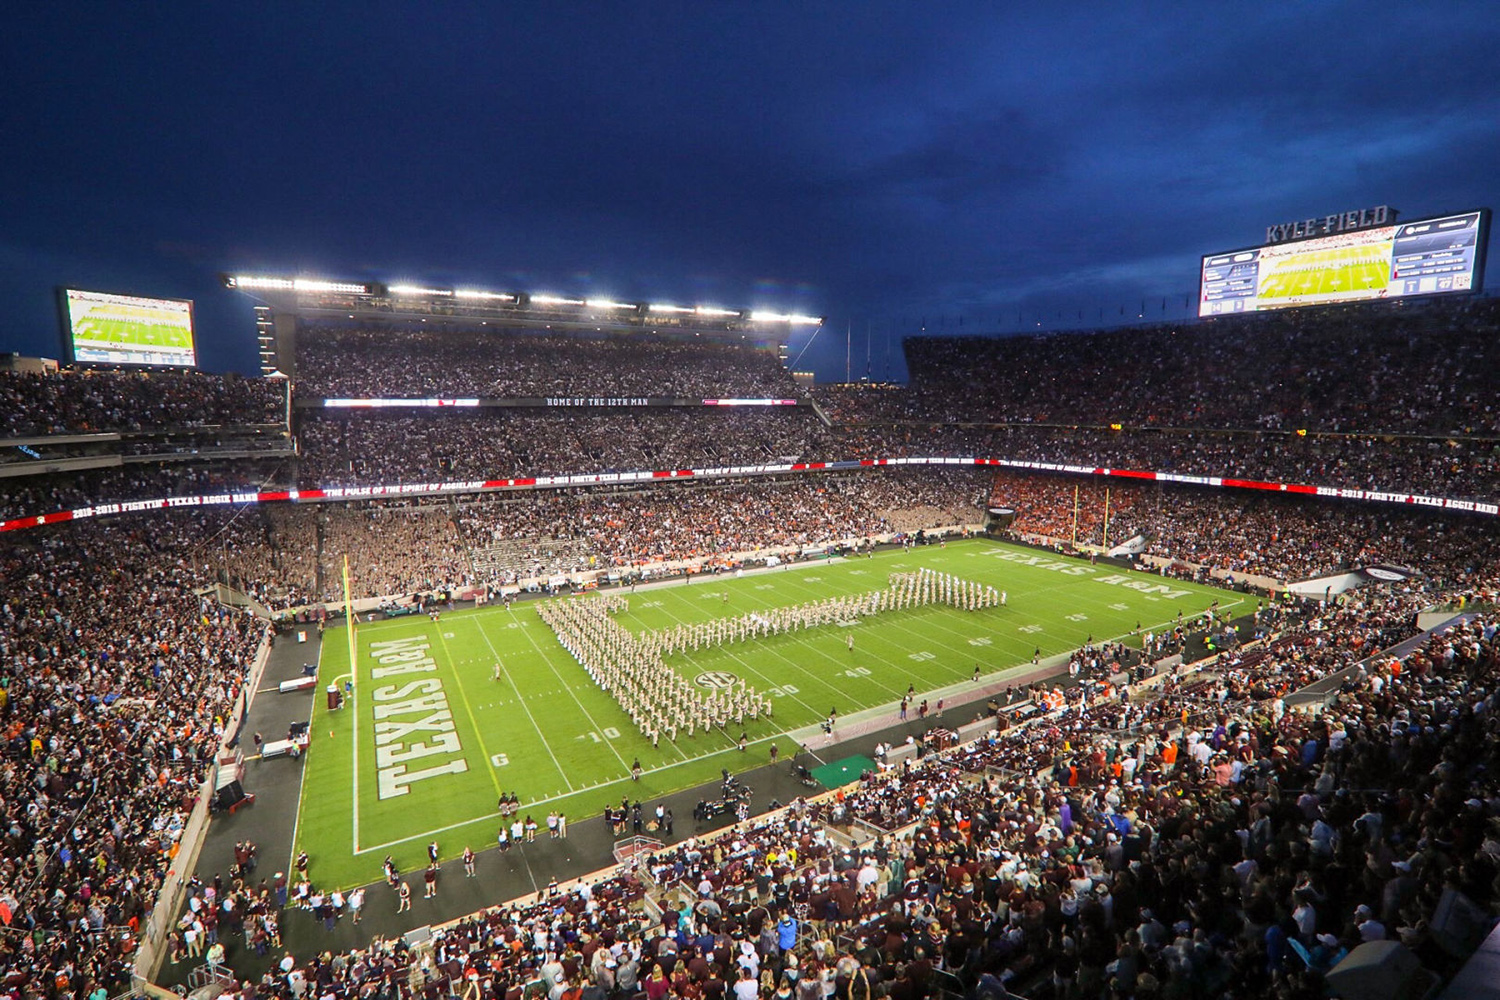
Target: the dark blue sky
pixel 875 163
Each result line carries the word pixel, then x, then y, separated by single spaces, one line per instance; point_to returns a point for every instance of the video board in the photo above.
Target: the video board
pixel 102 328
pixel 1435 256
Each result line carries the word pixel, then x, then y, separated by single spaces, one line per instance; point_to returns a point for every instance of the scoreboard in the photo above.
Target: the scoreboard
pixel 1433 256
pixel 109 329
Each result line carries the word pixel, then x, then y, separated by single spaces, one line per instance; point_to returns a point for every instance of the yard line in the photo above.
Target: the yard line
pixel 354 738
pixel 908 622
pixel 764 677
pixel 469 708
pixel 302 783
pixel 386 624
pixel 558 798
pixel 597 728
pixel 795 637
pixel 1032 592
pixel 524 707
pixel 935 620
pixel 829 656
pixel 917 625
pixel 823 594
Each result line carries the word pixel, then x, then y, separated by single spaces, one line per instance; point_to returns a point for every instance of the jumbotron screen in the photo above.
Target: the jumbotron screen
pixel 1433 256
pixel 106 329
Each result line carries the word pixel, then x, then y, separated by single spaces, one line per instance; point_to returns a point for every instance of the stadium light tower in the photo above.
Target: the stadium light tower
pixel 793 319
pixel 475 295
pixel 419 290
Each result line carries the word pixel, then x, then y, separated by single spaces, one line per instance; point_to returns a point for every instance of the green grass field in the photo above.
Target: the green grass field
pixel 1328 272
pixel 454 737
pixel 142 333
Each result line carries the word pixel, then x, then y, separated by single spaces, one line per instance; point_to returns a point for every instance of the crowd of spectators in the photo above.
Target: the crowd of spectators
pixel 1407 368
pixel 510 363
pixel 1266 535
pixel 115 684
pixel 75 402
pixel 1111 848
pixel 285 554
pixel 1244 850
pixel 450 447
pixel 403 547
pixel 445 445
pixel 44 494
pixel 1434 467
pixel 97 659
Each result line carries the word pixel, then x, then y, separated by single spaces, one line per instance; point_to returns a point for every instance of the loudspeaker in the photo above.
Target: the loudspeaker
pixel 230 794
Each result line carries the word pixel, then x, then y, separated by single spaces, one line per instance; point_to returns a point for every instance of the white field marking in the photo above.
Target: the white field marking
pixel 586 714
pixel 506 670
pixel 583 686
pixel 409 620
pixel 765 677
pixel 795 636
pixel 533 803
pixel 934 617
pixel 936 614
pixel 469 710
pixel 834 659
pixel 354 739
pixel 302 783
pixel 926 615
pixel 942 611
pixel 671 743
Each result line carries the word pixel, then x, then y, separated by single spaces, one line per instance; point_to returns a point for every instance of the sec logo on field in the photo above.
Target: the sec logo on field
pixel 715 679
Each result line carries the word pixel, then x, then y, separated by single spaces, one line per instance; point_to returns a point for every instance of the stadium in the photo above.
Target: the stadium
pixel 576 622
pixel 593 643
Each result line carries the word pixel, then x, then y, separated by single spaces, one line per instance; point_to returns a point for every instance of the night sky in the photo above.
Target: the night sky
pixel 878 164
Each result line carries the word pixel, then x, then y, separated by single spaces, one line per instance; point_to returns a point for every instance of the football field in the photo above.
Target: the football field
pixel 114 324
pixel 1327 273
pixel 445 716
pixel 114 332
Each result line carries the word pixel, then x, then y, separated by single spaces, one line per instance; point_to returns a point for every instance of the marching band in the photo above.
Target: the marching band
pixel 662 703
